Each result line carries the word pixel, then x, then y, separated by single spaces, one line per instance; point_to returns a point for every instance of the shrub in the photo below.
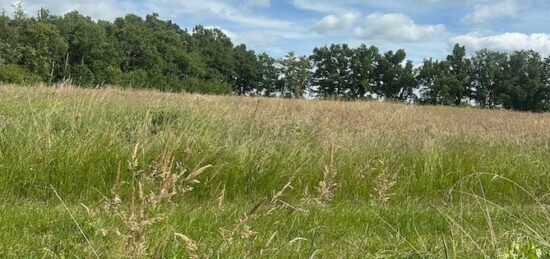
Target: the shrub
pixel 194 85
pixel 134 79
pixel 14 74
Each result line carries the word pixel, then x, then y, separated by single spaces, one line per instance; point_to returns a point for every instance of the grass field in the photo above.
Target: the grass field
pixel 97 173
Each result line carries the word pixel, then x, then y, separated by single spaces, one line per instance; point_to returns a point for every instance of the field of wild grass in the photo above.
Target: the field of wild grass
pixel 112 173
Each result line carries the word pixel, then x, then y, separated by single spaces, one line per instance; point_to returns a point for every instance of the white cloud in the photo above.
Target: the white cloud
pixel 396 27
pixel 235 11
pixel 324 6
pixel 259 39
pixel 258 3
pixel 331 24
pixel 252 39
pixel 227 10
pixel 494 10
pixel 344 6
pixel 99 9
pixel 507 42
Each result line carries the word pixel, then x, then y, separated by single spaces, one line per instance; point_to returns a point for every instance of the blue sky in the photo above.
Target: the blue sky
pixel 425 28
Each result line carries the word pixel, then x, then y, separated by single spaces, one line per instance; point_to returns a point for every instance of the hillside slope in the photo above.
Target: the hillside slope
pixel 287 178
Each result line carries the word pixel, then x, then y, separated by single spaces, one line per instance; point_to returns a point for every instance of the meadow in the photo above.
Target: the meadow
pixel 112 173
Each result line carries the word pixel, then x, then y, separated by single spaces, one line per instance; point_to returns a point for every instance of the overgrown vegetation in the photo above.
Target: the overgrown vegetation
pixel 151 53
pixel 108 172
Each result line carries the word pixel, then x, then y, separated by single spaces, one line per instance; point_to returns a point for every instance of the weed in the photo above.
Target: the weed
pixel 154 186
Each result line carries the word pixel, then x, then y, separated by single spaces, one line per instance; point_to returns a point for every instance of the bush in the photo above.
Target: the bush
pixel 194 85
pixel 13 74
pixel 171 83
pixel 133 79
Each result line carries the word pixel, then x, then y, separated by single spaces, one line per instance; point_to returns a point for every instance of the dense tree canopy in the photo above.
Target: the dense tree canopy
pixel 149 52
pixel 363 62
pixel 333 73
pixel 296 75
pixel 487 77
pixel 393 79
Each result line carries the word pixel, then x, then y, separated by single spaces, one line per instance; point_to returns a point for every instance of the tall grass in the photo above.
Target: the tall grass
pixel 331 178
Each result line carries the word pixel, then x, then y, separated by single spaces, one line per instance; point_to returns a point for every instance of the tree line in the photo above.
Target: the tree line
pixel 149 52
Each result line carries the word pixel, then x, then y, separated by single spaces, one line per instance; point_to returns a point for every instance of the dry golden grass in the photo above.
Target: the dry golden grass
pixel 333 121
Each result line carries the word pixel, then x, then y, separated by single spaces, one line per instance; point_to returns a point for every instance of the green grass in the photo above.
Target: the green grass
pixel 411 181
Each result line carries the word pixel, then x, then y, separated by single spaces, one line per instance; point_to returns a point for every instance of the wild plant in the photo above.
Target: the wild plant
pixel 151 188
pixel 326 188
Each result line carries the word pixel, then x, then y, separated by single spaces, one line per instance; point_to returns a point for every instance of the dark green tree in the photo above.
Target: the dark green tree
pixel 296 75
pixel 459 80
pixel 433 81
pixel 9 39
pixel 333 73
pixel 445 82
pixel 487 77
pixel 216 50
pixel 363 75
pixel 269 75
pixel 247 75
pixel 91 58
pixel 41 48
pixel 394 79
pixel 526 86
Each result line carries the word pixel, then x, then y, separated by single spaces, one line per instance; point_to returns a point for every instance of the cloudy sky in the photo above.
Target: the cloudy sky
pixel 425 28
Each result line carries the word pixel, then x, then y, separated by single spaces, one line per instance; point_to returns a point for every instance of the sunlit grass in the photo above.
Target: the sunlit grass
pixel 409 181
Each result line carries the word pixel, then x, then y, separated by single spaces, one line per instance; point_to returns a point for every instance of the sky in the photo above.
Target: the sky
pixel 424 28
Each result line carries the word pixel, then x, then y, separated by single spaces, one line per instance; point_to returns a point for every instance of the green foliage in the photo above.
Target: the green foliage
pixel 247 71
pixel 526 87
pixel 14 74
pixel 194 85
pixel 91 58
pixel 445 82
pixel 488 75
pixel 459 79
pixel 432 78
pixel 361 72
pixel 528 250
pixel 130 52
pixel 134 79
pixel 393 80
pixel 296 75
pixel 269 75
pixel 363 64
pixel 216 50
pixel 333 74
pixel 8 40
pixel 42 48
